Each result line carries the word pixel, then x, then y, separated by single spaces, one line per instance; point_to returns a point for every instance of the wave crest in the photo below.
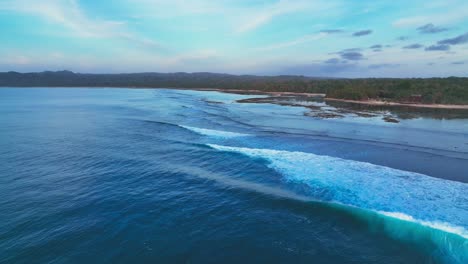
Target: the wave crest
pixel 214 133
pixel 413 197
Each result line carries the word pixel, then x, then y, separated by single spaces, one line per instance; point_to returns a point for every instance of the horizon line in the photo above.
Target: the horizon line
pixel 229 74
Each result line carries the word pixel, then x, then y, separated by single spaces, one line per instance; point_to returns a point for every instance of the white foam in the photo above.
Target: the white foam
pixel 214 133
pixel 435 225
pixel 408 196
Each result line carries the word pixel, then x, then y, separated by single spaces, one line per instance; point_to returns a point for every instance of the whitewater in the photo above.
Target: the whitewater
pixel 373 192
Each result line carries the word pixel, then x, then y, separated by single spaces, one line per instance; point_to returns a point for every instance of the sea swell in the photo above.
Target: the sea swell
pixel 428 212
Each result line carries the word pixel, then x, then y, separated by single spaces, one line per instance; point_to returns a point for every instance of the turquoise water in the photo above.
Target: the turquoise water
pixel 145 176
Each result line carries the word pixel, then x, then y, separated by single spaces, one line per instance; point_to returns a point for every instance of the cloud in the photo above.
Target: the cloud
pixel 438 48
pixel 362 33
pixel 413 46
pixel 458 62
pixel 462 39
pixel 164 8
pixel 349 50
pixel 241 16
pixel 402 38
pixel 303 39
pixel 68 14
pixel 258 17
pixel 410 21
pixel 333 61
pixel 320 69
pixel 198 57
pixel 376 48
pixel 352 55
pixel 458 12
pixel 331 31
pixel 430 29
pixel 383 65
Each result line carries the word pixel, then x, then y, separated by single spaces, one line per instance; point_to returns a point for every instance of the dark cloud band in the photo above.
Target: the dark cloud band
pixel 413 46
pixel 462 39
pixel 362 33
pixel 438 48
pixel 430 29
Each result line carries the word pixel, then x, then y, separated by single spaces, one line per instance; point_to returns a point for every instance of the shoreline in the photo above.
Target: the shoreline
pixel 323 96
pixel 383 103
pixel 259 92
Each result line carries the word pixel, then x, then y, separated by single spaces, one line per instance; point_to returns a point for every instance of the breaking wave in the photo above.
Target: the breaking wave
pixel 403 204
pixel 214 133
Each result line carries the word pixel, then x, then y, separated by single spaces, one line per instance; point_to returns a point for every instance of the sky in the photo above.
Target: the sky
pixel 326 38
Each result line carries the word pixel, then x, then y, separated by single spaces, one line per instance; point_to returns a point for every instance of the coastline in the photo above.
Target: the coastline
pixel 382 103
pixel 323 96
pixel 311 95
pixel 258 92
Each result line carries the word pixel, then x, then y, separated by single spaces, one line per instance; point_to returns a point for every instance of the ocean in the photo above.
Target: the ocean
pixel 106 175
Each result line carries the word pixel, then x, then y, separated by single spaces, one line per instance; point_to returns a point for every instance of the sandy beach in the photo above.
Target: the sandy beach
pixel 383 103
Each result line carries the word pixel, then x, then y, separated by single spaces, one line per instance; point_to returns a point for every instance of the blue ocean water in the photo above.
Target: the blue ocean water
pixel 177 176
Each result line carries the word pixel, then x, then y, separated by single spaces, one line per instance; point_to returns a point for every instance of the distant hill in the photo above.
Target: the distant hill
pixel 452 90
pixel 155 80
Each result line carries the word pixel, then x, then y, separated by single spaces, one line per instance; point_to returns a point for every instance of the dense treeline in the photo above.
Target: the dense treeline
pixel 451 90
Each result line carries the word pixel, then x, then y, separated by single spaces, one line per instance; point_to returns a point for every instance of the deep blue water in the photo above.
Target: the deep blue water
pixel 156 176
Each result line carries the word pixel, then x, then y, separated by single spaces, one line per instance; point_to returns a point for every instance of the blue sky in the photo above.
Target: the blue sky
pixel 334 38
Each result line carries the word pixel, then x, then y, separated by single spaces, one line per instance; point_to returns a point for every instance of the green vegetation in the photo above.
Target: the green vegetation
pixel 431 91
pixel 451 90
